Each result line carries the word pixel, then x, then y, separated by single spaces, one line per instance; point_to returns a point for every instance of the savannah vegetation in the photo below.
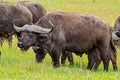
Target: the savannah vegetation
pixel 18 65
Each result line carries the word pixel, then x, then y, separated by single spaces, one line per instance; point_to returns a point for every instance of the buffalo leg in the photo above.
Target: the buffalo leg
pixel 114 63
pixel 39 54
pixel 63 58
pixel 66 54
pixel 55 57
pixel 97 60
pixel 70 57
pixel 113 59
pixel 91 58
pixel 104 55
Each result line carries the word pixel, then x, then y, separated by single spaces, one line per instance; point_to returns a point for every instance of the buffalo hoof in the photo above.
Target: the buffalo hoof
pixel 38 59
pixel 116 69
pixel 56 65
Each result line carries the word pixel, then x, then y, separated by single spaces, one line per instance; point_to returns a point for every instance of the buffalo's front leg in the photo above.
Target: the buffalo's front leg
pixel 55 57
pixel 63 58
pixel 39 54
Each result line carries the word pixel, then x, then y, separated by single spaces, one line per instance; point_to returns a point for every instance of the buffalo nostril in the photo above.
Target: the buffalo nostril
pixel 20 44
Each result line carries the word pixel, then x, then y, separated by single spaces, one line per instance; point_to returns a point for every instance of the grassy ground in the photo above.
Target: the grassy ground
pixel 16 65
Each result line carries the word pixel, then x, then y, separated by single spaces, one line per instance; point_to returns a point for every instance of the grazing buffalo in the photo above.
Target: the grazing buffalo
pixel 36 9
pixel 116 30
pixel 9 12
pixel 76 33
pixel 26 12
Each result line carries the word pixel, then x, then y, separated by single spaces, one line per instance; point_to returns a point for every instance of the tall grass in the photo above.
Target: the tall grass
pixel 16 65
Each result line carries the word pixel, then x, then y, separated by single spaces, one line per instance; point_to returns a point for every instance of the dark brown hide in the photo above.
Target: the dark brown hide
pixel 8 13
pixel 36 9
pixel 67 54
pixel 112 56
pixel 76 33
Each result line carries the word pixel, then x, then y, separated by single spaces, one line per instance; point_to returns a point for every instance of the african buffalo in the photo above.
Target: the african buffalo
pixel 9 12
pixel 76 33
pixel 37 11
pixel 35 8
pixel 26 12
pixel 116 29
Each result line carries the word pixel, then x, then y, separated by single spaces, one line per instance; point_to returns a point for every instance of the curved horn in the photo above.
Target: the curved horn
pixel 44 30
pixel 18 29
pixel 34 28
pixel 52 26
pixel 40 29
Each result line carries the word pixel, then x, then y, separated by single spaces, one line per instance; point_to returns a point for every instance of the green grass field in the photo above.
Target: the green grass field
pixel 16 65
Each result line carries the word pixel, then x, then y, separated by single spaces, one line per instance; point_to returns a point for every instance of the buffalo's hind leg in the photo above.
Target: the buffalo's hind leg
pixel 91 58
pixel 97 60
pixel 113 58
pixel 103 49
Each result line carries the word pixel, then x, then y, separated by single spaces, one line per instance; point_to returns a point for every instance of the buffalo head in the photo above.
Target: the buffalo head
pixel 31 35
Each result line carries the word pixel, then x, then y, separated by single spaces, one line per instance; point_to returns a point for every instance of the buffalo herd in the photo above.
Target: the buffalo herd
pixel 60 34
